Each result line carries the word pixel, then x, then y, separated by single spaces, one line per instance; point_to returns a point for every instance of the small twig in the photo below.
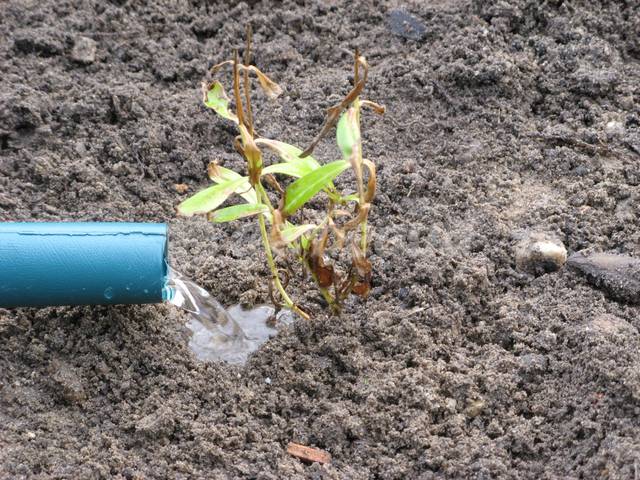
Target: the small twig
pixel 308 454
pixel 562 140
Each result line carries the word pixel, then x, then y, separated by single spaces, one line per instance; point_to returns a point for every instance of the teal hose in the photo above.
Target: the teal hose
pixel 47 264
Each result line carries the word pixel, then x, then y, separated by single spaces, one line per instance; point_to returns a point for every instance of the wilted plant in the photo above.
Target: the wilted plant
pixel 343 225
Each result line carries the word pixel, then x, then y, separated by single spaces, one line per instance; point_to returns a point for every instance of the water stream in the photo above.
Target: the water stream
pixel 218 334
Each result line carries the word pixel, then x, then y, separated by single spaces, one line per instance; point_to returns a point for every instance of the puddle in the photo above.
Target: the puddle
pixel 218 334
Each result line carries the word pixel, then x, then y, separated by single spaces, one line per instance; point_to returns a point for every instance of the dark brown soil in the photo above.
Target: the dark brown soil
pixel 503 118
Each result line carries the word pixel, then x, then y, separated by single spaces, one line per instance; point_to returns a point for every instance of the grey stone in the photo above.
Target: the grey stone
pixel 606 324
pixel 405 25
pixel 84 50
pixel 413 236
pixel 616 275
pixel 67 382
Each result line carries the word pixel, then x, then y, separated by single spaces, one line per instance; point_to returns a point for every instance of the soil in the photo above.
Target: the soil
pixel 503 119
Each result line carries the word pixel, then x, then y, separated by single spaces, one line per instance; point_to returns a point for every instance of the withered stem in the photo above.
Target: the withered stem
pixel 247 83
pixel 236 89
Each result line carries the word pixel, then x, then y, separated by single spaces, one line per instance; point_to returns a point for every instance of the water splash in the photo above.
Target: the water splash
pixel 218 334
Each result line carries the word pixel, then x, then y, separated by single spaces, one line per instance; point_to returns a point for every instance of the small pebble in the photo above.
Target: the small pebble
pixel 609 325
pixel 181 187
pixel 533 362
pixel 413 236
pixel 438 238
pixel 468 153
pixel 409 166
pixel 581 170
pixel 475 408
pixel 540 253
pixel 405 25
pixel 451 404
pixel 402 293
pixel 84 50
pixel 617 275
pixel 614 128
pixel 157 424
pixel 67 381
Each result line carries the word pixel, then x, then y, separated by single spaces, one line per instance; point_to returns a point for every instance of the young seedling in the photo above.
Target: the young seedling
pixel 276 194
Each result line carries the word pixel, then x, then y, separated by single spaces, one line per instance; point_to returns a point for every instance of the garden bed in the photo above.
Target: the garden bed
pixel 502 120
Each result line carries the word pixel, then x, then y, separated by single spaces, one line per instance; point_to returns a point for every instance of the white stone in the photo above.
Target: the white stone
pixel 539 253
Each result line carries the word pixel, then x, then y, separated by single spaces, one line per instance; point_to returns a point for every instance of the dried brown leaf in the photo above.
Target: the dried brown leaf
pixel 308 454
pixel 271 180
pixel 363 212
pixel 213 170
pixel 271 88
pixel 338 233
pixel 324 275
pixel 360 262
pixel 333 113
pixel 371 183
pixel 275 236
pixel 361 289
pixel 252 154
pixel 376 107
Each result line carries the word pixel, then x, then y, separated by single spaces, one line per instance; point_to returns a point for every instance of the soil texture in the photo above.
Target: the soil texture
pixel 504 119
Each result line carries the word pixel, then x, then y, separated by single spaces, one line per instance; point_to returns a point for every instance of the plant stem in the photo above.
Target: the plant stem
pixel 363 225
pixel 363 237
pixel 263 197
pixel 335 308
pixel 271 262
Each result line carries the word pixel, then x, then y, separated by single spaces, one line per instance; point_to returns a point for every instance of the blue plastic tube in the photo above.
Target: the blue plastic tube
pixel 46 264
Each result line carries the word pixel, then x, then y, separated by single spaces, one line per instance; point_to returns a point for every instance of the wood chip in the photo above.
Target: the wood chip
pixel 308 454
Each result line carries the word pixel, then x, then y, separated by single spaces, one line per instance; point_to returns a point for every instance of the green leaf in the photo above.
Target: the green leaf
pixel 216 99
pixel 210 198
pixel 305 242
pixel 291 169
pixel 299 167
pixel 290 154
pixel 245 190
pixel 220 174
pixel 348 131
pixel 304 188
pixel 291 233
pixel 235 212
